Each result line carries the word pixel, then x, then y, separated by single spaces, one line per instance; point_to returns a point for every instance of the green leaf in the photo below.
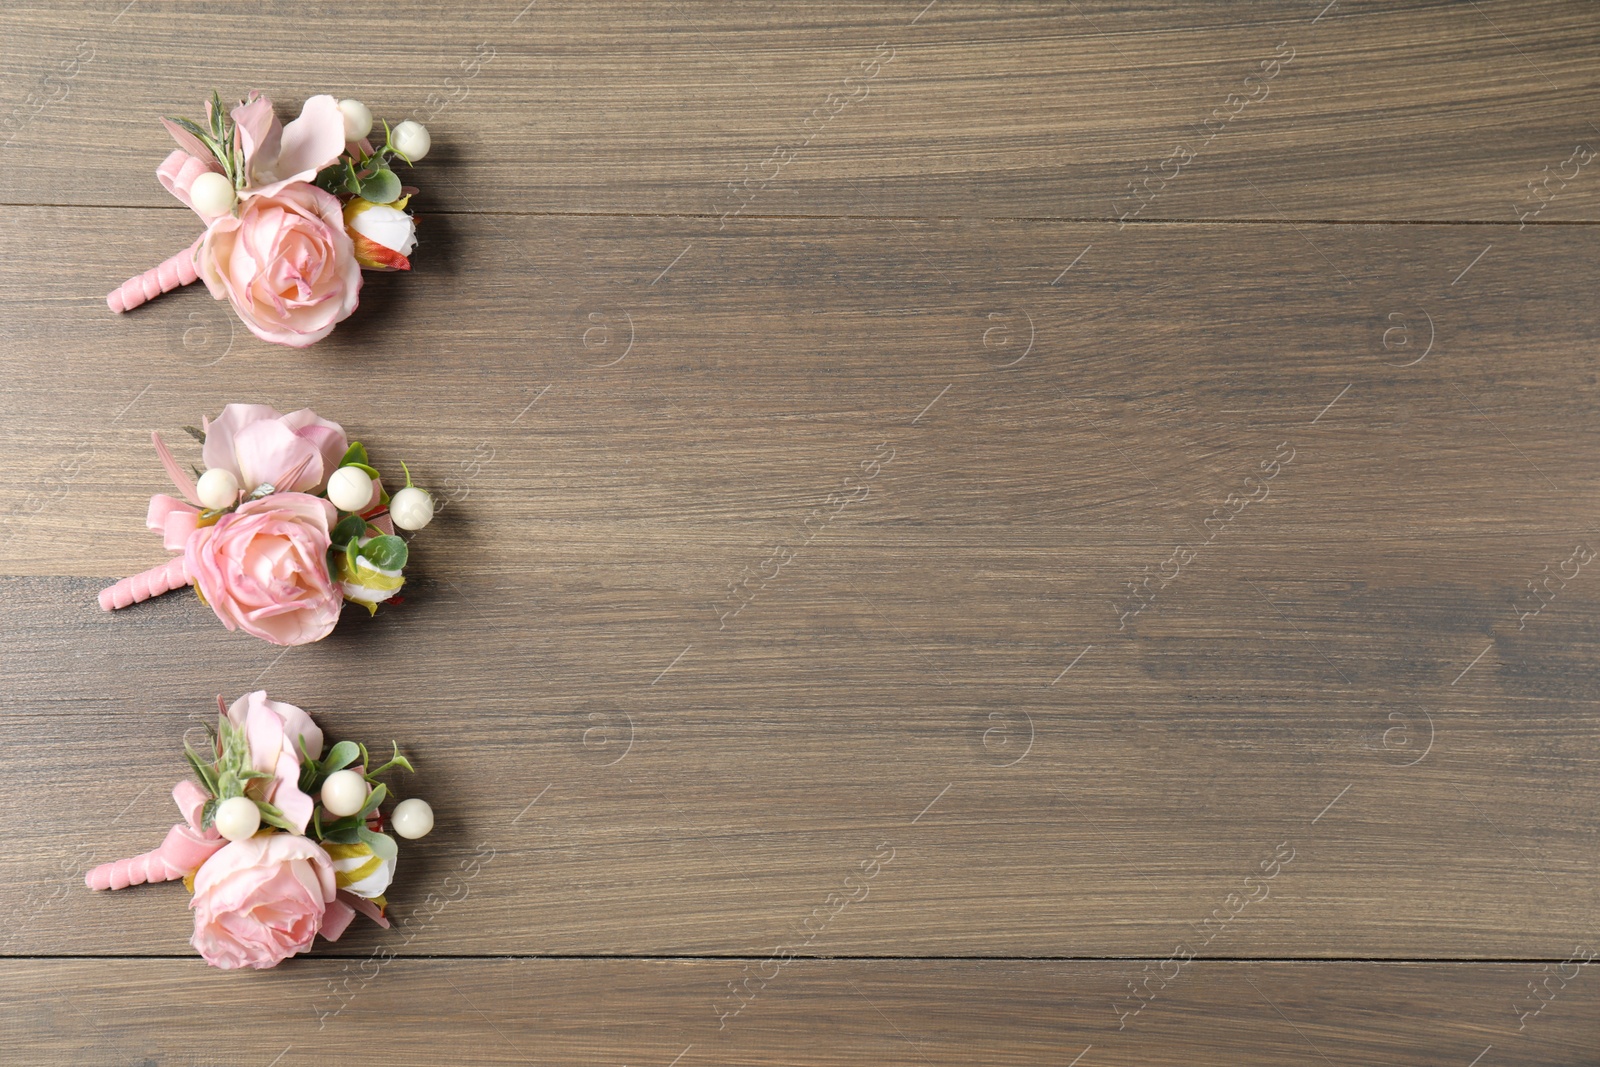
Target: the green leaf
pixel 382 187
pixel 386 553
pixel 371 472
pixel 341 756
pixel 397 761
pixel 309 767
pixel 204 136
pixel 245 776
pixel 208 814
pixel 356 453
pixel 345 836
pixel 207 775
pixel 196 432
pixel 352 551
pixel 273 817
pixel 348 529
pixel 373 800
pixel 382 845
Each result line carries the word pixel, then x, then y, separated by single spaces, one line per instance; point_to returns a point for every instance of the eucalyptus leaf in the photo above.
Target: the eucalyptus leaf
pixel 373 800
pixel 387 552
pixel 382 845
pixel 370 471
pixel 382 187
pixel 356 453
pixel 348 529
pixel 347 836
pixel 341 756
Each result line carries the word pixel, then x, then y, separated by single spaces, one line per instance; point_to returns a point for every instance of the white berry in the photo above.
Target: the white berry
pixel 344 793
pixel 350 489
pixel 357 119
pixel 411 508
pixel 237 818
pixel 412 819
pixel 411 139
pixel 218 488
pixel 212 194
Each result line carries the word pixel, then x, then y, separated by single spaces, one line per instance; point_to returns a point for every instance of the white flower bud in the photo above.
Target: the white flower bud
pixel 350 489
pixel 237 818
pixel 387 226
pixel 212 194
pixel 411 508
pixel 218 489
pixel 357 119
pixel 412 140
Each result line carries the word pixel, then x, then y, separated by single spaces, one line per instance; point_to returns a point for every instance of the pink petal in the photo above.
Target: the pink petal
pixel 336 918
pixel 365 907
pixel 312 141
pixel 268 451
pixel 328 436
pixel 220 432
pixel 259 131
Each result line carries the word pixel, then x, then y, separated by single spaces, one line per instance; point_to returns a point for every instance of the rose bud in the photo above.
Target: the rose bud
pixel 383 234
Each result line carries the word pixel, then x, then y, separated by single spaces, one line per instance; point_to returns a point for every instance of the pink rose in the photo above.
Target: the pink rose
pixel 285 263
pixel 260 446
pixel 261 900
pixel 275 733
pixel 264 568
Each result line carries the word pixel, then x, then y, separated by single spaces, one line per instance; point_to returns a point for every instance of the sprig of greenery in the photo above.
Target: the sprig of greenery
pixel 230 774
pixel 368 176
pixel 351 828
pixel 220 136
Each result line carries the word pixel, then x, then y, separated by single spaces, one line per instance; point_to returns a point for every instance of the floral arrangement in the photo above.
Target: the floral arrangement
pixel 270 867
pixel 292 213
pixel 288 521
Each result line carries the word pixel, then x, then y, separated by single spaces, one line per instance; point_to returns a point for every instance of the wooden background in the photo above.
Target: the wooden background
pixel 642 345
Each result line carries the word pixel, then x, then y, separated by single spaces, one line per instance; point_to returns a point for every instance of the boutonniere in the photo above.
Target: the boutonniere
pixel 292 213
pixel 278 842
pixel 288 521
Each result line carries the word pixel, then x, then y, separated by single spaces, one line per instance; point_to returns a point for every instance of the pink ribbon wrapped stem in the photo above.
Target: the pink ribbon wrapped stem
pixel 176 271
pixel 153 582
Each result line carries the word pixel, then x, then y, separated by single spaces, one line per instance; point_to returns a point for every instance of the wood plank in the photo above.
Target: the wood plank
pixel 1282 689
pixel 987 108
pixel 809 1012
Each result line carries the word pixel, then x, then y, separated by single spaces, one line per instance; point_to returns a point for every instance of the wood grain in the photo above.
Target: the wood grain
pixel 577 596
pixel 812 1013
pixel 1418 110
pixel 893 563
